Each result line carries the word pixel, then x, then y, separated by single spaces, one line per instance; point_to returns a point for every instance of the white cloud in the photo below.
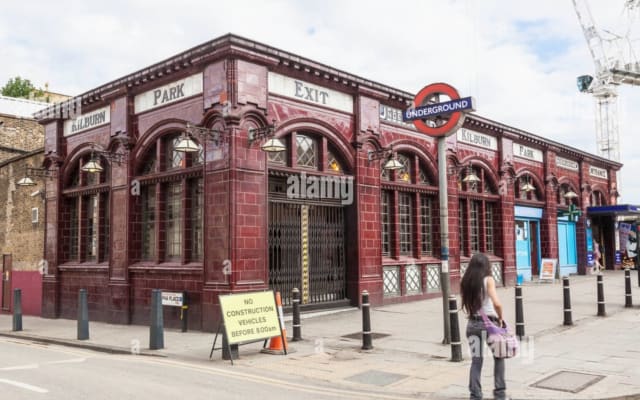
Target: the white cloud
pixel 519 59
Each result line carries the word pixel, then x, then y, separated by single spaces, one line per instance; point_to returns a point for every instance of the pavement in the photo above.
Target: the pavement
pixel 595 358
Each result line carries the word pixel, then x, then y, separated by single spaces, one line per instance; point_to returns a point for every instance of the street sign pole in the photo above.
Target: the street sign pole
pixel 439 120
pixel 444 235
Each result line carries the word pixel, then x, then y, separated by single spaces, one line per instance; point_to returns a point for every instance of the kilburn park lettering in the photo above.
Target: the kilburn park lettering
pixel 320 187
pixel 477 139
pixel 161 96
pixel 88 121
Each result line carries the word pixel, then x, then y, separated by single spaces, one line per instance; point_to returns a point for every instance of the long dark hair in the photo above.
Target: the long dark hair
pixel 472 283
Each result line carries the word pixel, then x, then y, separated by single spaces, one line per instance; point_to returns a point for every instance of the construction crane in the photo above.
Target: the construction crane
pixel 616 63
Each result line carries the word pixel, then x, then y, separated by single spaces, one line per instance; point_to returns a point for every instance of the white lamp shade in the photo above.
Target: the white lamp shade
pixel 186 145
pixel 273 145
pixel 393 164
pixel 92 166
pixel 26 181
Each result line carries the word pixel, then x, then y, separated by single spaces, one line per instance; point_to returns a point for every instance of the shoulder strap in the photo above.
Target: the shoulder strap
pixel 485 319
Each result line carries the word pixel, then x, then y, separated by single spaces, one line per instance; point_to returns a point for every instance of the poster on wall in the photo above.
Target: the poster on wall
pixel 589 247
pixel 548 269
pixel 628 244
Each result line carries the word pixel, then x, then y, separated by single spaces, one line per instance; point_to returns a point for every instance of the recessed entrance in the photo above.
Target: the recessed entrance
pixel 307 251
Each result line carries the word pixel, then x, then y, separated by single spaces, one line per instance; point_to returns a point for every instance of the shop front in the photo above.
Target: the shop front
pixel 614 229
pixel 527 235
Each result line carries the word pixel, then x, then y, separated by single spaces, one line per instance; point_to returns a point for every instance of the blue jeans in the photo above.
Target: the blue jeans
pixel 476 335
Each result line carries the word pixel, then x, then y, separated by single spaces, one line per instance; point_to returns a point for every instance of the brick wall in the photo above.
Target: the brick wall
pixel 19 133
pixel 19 236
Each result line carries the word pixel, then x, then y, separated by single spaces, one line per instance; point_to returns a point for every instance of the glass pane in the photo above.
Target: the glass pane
pixel 91 227
pixel 404 174
pixel 72 231
pixel 104 227
pixel 149 165
pixel 462 221
pixel 385 222
pixel 306 151
pixel 173 220
pixel 175 159
pixel 424 178
pixel 404 214
pixel 474 231
pixel 332 163
pixel 148 222
pixel 489 227
pixel 277 157
pixel 426 224
pixel 197 194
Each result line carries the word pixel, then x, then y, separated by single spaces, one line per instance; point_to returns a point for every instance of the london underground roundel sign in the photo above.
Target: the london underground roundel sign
pixel 435 118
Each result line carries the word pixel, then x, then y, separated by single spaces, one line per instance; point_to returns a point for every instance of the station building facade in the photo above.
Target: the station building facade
pixel 322 215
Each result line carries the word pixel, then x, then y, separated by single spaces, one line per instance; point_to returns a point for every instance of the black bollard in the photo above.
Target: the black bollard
pixel 17 310
pixel 601 310
pixel 366 322
pixel 297 328
pixel 519 313
pixel 628 301
pixel 156 331
pixel 567 301
pixel 456 345
pixel 83 315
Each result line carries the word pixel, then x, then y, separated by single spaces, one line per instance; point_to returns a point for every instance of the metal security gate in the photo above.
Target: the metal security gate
pixel 327 277
pixel 284 248
pixel 307 251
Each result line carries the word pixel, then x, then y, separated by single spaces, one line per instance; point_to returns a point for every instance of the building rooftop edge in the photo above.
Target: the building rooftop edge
pixel 232 39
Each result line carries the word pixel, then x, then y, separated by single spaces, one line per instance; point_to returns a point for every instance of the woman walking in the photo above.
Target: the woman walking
pixel 478 291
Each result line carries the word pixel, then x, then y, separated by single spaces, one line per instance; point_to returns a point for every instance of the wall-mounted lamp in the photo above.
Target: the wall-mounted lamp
pixel 387 154
pixel 272 145
pixel 527 186
pixel 186 144
pixel 470 179
pixel 34 172
pixel 570 195
pixel 94 165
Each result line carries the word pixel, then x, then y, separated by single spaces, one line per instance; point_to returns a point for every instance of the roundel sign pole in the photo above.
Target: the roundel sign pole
pixel 440 119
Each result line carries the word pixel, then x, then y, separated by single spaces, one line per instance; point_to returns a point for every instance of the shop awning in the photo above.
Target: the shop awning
pixel 617 210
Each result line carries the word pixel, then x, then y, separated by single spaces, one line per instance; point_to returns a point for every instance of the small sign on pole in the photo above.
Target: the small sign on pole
pixel 548 269
pixel 175 299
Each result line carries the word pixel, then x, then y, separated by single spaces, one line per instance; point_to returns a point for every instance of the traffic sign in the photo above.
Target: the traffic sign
pixel 438 119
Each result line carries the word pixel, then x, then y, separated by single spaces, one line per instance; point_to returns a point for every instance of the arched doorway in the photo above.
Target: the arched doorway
pixel 309 193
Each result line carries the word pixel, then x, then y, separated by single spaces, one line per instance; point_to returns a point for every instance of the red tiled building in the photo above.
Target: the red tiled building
pixel 321 215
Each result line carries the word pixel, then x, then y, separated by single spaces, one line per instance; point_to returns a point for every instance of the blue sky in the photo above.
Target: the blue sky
pixel 519 59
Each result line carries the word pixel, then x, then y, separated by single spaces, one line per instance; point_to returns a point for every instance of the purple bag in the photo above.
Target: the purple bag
pixel 502 342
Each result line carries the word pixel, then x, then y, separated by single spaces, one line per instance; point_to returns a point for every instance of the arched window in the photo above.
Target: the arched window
pixel 84 223
pixel 308 151
pixel 401 201
pixel 170 207
pixel 598 198
pixel 526 189
pixel 477 211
